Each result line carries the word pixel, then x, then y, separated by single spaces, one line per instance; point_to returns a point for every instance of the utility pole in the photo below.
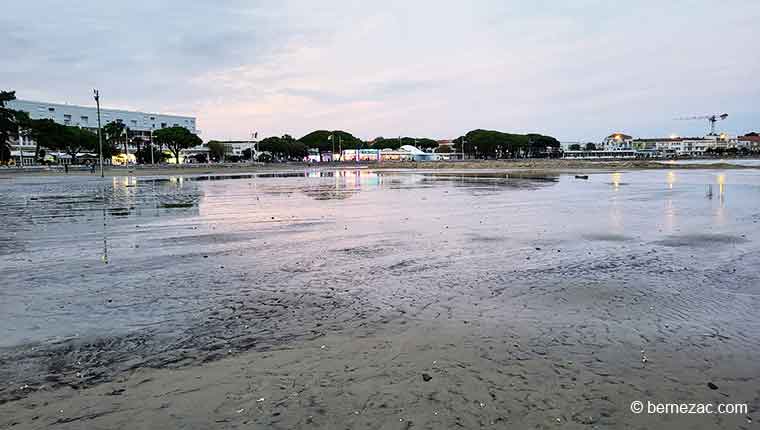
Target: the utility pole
pixel 126 143
pixel 462 148
pixel 100 133
pixel 256 143
pixel 152 150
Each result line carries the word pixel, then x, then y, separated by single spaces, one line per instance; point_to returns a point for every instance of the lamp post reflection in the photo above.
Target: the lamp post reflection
pixel 616 181
pixel 721 188
pixel 671 179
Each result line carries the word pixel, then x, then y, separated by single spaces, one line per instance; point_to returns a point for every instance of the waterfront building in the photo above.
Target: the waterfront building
pixel 685 146
pixel 233 149
pixel 620 145
pixel 139 124
pixel 617 142
pixel 585 154
pixel 751 141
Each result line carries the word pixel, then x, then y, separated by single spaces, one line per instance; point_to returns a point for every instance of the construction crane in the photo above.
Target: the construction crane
pixel 712 118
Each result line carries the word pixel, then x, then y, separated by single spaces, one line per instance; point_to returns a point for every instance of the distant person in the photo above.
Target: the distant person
pixel 66 168
pixel 92 168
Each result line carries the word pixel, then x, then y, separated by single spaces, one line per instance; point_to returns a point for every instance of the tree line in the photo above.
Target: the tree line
pixel 496 144
pixel 51 136
pixel 477 143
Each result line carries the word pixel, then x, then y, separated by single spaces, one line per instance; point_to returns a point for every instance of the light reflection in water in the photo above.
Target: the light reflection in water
pixel 721 187
pixel 616 181
pixel 670 214
pixel 720 213
pixel 671 179
pixel 617 223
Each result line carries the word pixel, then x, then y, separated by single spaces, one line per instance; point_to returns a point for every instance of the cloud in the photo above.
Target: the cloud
pixel 572 69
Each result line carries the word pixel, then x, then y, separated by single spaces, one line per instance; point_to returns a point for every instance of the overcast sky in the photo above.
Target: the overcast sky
pixel 576 70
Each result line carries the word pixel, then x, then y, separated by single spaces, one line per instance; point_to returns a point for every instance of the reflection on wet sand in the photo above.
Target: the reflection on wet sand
pixel 671 179
pixel 486 281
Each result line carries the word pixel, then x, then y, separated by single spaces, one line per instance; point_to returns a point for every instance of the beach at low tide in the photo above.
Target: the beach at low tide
pixel 362 298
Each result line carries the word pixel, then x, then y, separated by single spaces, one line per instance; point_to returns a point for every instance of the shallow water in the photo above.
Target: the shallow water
pixel 146 267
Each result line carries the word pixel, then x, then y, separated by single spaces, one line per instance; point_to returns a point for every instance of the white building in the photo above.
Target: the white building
pixel 140 124
pixel 232 148
pixel 236 147
pixel 617 142
pixel 87 116
pixel 685 146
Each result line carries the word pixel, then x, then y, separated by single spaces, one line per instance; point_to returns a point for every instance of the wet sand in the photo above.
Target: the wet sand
pixel 379 300
pixel 540 165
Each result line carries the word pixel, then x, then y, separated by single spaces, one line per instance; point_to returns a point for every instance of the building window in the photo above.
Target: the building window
pixel 85 119
pixel 51 109
pixel 163 125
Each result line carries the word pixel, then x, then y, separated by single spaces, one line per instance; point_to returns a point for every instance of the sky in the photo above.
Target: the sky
pixel 575 70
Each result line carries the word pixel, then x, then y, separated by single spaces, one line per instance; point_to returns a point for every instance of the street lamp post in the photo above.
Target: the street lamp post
pixel 254 136
pixel 100 133
pixel 126 146
pixel 152 161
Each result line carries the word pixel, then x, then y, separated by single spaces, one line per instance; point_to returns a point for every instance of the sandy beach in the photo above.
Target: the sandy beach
pixel 377 299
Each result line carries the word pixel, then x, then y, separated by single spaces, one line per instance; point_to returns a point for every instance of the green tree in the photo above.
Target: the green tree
pixel 71 140
pixel 540 145
pixel 138 141
pixel 217 150
pixel 9 128
pixel 383 143
pixel 285 147
pixel 143 154
pixel 115 133
pixel 326 140
pixel 57 137
pixel 590 146
pixel 426 143
pixel 46 133
pixel 574 147
pixel 176 139
pixel 423 143
pixel 492 143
